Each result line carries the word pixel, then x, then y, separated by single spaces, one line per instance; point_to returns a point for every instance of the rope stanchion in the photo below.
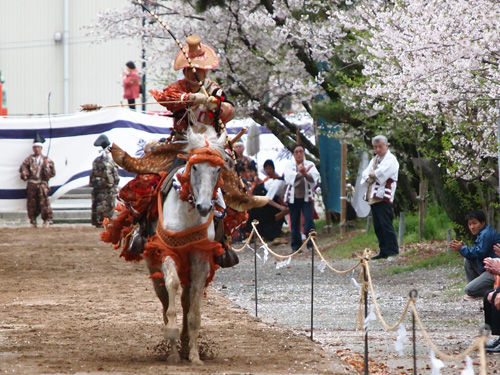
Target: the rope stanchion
pixel 484 332
pixel 328 264
pixel 367 286
pixel 312 234
pixel 365 297
pixel 414 294
pixel 247 241
pixel 478 344
pixel 377 308
pixel 255 272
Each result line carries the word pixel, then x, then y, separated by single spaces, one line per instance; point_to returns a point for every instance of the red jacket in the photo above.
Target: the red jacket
pixel 131 85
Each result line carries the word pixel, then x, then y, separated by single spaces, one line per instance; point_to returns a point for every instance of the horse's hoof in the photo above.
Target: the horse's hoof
pixel 173 358
pixel 197 362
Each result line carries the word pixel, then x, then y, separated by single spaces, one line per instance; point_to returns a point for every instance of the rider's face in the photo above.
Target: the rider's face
pixel 188 73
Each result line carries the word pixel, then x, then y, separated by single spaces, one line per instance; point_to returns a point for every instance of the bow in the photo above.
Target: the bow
pixel 50 123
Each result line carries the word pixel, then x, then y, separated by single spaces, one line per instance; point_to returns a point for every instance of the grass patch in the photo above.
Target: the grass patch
pixel 416 259
pixel 430 253
pixel 457 288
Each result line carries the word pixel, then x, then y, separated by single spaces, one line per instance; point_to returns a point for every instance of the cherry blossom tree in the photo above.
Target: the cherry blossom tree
pixel 424 72
pixel 430 68
pixel 269 51
pixel 436 62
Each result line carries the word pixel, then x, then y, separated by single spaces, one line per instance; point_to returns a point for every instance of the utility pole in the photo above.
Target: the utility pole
pixel 143 64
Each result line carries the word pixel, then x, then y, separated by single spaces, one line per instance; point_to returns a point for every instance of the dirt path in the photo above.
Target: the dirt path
pixel 69 305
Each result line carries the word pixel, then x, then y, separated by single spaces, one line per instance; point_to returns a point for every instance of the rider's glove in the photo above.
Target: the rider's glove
pixel 211 102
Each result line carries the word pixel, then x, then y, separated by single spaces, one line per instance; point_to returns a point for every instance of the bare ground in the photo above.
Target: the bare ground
pixel 69 305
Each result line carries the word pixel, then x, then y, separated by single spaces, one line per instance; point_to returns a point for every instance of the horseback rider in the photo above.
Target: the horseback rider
pixel 193 108
pixel 185 99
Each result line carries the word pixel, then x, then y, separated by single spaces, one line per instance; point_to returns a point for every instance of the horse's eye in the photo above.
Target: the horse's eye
pixel 194 167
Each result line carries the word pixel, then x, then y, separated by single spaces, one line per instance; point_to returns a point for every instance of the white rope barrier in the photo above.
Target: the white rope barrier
pixel 363 261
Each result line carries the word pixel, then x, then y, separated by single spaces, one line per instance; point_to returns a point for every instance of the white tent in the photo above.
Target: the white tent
pixel 69 143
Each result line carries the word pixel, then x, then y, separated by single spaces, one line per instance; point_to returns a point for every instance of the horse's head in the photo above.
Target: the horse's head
pixel 205 159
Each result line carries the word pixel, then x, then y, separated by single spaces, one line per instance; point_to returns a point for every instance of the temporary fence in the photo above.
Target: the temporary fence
pixel 366 286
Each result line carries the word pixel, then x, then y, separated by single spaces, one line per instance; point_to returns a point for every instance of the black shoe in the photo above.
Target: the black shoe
pixel 493 350
pixel 492 344
pixel 228 259
pixel 137 244
pixel 380 256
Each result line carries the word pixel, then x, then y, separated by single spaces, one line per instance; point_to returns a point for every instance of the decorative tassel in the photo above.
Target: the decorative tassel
pixel 436 364
pixel 157 275
pixel 401 339
pixel 469 369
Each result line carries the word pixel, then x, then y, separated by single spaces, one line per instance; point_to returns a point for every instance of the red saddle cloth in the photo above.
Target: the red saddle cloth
pixel 137 199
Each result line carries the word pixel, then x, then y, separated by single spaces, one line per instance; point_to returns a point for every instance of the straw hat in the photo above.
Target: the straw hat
pixel 201 55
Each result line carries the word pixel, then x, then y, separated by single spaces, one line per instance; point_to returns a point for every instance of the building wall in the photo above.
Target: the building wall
pixel 32 65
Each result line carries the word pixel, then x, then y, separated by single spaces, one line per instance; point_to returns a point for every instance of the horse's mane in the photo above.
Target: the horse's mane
pixel 197 139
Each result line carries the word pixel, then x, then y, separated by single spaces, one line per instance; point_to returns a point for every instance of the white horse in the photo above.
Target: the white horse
pixel 180 223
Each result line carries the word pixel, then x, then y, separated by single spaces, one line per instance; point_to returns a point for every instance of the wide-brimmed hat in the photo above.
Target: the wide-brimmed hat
pixel 201 55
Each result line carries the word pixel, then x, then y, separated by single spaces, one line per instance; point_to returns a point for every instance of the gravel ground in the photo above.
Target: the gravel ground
pixel 284 298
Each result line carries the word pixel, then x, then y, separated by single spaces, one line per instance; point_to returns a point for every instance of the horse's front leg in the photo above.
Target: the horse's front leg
pixel 160 290
pixel 184 333
pixel 199 272
pixel 172 330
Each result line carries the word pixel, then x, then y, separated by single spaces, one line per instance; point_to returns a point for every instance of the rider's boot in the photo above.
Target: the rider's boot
pixel 138 241
pixel 229 258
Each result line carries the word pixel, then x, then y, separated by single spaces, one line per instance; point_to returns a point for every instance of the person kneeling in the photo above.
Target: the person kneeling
pixel 478 279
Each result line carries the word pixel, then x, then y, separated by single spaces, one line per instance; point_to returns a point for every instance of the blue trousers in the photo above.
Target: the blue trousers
pixel 382 223
pixel 296 208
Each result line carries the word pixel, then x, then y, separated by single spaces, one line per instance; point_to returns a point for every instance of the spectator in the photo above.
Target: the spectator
pixel 271 216
pixel 491 302
pixel 238 148
pixel 131 84
pixel 301 176
pixel 37 170
pixel 380 179
pixel 252 177
pixel 104 181
pixel 479 280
